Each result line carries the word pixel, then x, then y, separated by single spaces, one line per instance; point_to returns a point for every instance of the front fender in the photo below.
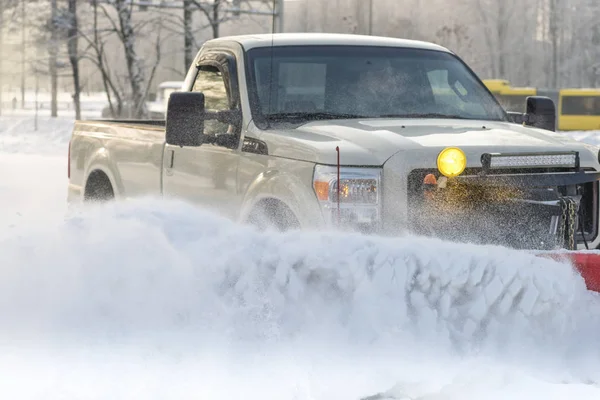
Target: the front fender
pixel 293 190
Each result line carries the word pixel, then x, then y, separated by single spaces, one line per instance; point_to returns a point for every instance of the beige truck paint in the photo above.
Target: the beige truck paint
pixel 131 156
pixel 206 176
pixel 373 142
pixel 137 161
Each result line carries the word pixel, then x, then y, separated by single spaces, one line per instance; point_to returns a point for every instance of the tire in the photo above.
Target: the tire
pixel 98 188
pixel 272 214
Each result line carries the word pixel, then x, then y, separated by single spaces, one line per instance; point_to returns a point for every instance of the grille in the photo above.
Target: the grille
pixel 481 215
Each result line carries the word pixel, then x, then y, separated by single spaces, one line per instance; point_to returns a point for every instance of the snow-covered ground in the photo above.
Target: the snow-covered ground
pixel 159 300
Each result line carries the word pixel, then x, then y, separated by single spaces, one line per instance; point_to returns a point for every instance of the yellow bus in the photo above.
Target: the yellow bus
pixel 515 98
pixel 496 85
pixel 579 109
pixel 511 98
pixel 576 109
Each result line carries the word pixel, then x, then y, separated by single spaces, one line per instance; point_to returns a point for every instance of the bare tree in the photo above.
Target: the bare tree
pixel 23 54
pixel 36 29
pixel 218 12
pixel 135 67
pixel 212 12
pixel 126 94
pixel 1 51
pixel 554 32
pixel 188 38
pixel 72 45
pixel 589 36
pixel 455 37
pixel 96 44
pixel 538 43
pixel 495 18
pixel 52 52
pixel 594 72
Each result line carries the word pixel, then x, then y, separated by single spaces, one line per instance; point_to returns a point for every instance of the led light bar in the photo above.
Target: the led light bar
pixel 530 160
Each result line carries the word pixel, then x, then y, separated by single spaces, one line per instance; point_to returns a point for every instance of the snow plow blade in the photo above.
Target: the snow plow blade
pixel 588 265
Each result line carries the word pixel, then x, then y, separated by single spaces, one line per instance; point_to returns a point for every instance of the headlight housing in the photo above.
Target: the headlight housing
pixel 359 200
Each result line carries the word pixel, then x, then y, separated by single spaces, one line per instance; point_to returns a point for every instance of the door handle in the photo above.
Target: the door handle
pixel 172 159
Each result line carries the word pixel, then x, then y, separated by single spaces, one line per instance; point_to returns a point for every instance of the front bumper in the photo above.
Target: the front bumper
pixel 532 180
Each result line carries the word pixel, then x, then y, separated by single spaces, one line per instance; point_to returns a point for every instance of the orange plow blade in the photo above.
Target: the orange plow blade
pixel 587 263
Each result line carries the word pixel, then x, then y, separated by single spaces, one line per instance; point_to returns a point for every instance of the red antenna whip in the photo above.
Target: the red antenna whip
pixel 337 149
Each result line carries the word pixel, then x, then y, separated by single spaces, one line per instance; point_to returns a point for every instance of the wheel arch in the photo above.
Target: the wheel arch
pixel 286 193
pixel 100 161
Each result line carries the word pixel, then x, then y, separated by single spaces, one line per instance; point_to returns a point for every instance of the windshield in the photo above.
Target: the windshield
pixel 326 82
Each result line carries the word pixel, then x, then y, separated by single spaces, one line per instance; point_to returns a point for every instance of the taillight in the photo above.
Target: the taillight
pixel 69 162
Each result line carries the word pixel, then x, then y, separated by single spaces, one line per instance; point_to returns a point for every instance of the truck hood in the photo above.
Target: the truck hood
pixel 370 142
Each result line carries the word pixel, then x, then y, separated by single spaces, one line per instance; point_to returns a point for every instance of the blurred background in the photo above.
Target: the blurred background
pixel 113 303
pixel 90 55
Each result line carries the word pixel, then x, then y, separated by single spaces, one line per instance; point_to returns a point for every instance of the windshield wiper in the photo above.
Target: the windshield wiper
pixel 309 116
pixel 423 115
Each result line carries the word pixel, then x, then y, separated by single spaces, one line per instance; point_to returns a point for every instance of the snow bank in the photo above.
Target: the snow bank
pixel 158 299
pixel 589 137
pixel 33 191
pixel 457 294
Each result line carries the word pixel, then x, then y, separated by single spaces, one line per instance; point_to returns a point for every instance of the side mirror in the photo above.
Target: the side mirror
pixel 541 113
pixel 516 117
pixel 185 119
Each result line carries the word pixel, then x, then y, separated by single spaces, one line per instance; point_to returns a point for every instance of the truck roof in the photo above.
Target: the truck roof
pixel 297 39
pixel 171 84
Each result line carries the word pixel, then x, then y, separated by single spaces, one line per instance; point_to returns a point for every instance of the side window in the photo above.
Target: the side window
pixel 581 105
pixel 454 98
pixel 210 82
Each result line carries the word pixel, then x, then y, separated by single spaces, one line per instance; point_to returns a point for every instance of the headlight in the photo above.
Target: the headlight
pixel 359 195
pixel 451 162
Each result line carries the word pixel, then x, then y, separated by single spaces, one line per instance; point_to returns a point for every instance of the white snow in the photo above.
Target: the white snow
pixel 589 137
pixel 19 136
pixel 160 300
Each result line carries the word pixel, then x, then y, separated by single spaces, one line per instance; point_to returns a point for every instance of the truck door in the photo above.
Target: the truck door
pixel 206 175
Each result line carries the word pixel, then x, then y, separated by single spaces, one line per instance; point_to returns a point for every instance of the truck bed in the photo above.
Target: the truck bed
pixel 129 152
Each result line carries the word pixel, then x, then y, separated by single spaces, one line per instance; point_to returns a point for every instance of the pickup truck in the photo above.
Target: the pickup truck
pixel 330 131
